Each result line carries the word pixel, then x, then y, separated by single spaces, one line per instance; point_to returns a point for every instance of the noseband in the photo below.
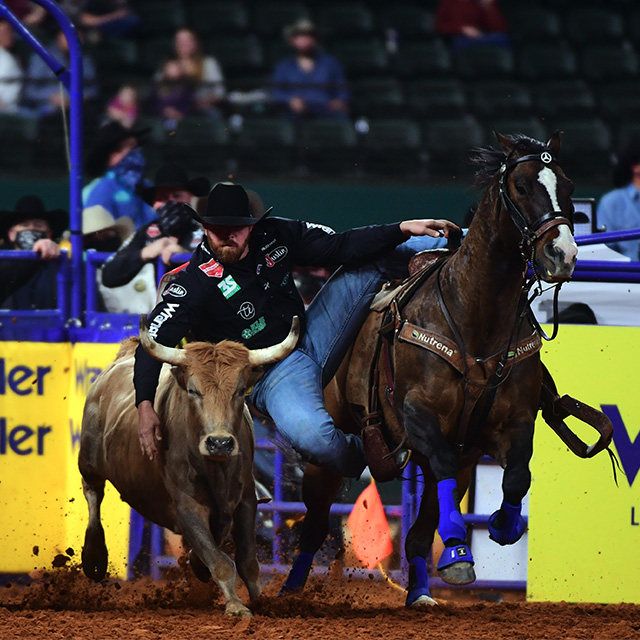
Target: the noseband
pixel 530 232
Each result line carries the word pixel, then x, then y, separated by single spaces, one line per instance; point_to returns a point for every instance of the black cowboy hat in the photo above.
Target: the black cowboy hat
pixel 30 207
pixel 107 139
pixel 173 176
pixel 228 205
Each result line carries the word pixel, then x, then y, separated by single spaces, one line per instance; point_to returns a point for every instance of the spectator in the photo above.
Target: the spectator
pixel 130 274
pixel 619 209
pixel 10 71
pixel 111 18
pixel 471 22
pixel 124 107
pixel 203 71
pixel 29 13
pixel 118 156
pixel 100 231
pixel 172 95
pixel 28 284
pixel 310 82
pixel 42 94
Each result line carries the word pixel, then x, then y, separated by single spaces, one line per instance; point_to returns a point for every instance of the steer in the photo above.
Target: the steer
pixel 201 485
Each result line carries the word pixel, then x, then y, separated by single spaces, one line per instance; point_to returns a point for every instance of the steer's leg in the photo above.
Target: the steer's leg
pixel 193 521
pixel 94 550
pixel 320 487
pixel 244 535
pixel 456 562
pixel 506 525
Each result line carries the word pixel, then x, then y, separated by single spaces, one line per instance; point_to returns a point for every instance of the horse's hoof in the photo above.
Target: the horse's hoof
pixel 298 575
pixel 512 530
pixel 198 567
pixel 419 597
pixel 458 573
pixel 94 554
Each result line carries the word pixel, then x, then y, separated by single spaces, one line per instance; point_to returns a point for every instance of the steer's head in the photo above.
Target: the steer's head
pixel 213 380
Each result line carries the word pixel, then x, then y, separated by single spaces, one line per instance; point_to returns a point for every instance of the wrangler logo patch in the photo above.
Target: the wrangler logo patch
pixel 229 287
pixel 274 256
pixel 161 318
pixel 213 268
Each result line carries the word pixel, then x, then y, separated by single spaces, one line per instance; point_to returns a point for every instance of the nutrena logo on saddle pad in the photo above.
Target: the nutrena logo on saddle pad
pixel 584 531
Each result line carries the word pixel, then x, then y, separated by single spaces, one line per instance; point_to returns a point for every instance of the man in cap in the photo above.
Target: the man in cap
pixel 28 284
pixel 238 286
pixel 174 230
pixel 118 158
pixel 619 209
pixel 310 82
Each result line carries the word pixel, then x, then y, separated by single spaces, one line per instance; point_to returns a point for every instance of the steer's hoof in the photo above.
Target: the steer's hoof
pixel 237 609
pixel 198 567
pixel 458 573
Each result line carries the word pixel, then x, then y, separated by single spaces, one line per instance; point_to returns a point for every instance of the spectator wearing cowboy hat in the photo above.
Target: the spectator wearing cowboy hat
pixel 118 156
pixel 310 83
pixel 28 284
pixel 132 268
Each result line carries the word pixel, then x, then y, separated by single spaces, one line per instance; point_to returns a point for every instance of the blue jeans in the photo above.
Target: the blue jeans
pixel 291 392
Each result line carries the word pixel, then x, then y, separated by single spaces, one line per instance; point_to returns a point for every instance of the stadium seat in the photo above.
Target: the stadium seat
pixel 500 98
pixel 593 24
pixel 270 18
pixel 586 147
pixel 218 16
pixel 449 143
pixel 377 97
pixel 161 17
pixel 619 100
pixel 329 146
pixel 361 57
pixel 409 20
pixel 152 53
pixel 393 147
pixel 625 131
pixel 19 135
pixel 239 55
pixel 423 59
pixel 533 23
pixel 546 61
pixel 265 145
pixel 344 19
pixel 484 62
pixel 529 126
pixel 436 98
pixel 605 62
pixel 633 27
pixel 558 98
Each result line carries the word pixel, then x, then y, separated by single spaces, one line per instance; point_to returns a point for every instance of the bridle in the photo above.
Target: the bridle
pixel 529 232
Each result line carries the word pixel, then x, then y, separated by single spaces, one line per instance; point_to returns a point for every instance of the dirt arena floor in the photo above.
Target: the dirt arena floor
pixel 64 604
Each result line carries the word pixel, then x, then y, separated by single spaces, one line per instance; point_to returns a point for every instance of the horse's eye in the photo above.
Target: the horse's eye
pixel 521 189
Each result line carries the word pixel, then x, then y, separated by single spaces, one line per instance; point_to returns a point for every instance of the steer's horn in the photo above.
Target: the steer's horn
pixel 268 355
pixel 156 350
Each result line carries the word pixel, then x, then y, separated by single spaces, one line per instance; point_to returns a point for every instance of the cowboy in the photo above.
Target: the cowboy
pixel 238 285
pixel 29 284
pixel 173 231
pixel 118 158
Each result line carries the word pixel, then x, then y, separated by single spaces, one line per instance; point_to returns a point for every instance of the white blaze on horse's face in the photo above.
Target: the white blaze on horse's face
pixel 563 251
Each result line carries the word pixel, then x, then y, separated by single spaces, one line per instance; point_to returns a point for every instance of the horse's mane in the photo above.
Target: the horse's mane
pixel 489 159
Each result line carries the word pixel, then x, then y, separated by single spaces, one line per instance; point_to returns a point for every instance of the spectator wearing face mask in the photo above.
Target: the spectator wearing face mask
pixel 130 274
pixel 30 284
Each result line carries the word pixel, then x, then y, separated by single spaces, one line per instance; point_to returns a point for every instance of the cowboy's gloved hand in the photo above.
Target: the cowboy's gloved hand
pixel 174 218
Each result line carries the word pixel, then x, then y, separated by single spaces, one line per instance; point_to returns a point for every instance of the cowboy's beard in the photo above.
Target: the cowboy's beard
pixel 228 251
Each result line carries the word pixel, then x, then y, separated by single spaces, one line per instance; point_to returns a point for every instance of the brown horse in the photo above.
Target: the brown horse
pixel 461 363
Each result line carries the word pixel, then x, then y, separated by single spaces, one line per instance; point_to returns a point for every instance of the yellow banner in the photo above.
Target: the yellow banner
pixel 584 532
pixel 42 509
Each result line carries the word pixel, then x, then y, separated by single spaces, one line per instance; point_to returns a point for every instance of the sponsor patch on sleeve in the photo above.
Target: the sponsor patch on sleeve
pixel 175 290
pixel 153 231
pixel 323 227
pixel 212 269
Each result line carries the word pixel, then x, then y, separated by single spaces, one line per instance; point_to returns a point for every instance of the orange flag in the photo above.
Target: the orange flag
pixel 371 537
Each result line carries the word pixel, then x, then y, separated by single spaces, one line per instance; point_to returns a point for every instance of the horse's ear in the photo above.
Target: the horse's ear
pixel 554 143
pixel 505 143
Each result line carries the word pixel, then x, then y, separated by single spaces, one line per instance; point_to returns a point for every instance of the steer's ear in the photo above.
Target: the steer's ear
pixel 180 375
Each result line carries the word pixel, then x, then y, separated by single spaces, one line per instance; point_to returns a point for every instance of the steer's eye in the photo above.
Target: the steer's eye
pixel 242 390
pixel 192 392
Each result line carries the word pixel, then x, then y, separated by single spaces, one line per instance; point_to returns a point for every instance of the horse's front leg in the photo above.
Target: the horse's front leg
pixel 506 525
pixel 320 487
pixel 456 562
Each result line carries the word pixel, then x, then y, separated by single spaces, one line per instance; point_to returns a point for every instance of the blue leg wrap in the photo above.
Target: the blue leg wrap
pixel 418 580
pixel 453 554
pixel 298 575
pixel 451 524
pixel 512 524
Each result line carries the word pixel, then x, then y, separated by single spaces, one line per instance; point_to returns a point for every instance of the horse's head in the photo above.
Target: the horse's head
pixel 537 194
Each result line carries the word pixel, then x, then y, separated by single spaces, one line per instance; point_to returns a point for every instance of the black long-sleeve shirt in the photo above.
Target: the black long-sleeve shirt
pixel 252 301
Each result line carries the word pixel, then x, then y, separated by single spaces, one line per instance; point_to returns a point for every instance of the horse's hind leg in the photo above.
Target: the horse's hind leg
pixel 506 526
pixel 94 550
pixel 320 487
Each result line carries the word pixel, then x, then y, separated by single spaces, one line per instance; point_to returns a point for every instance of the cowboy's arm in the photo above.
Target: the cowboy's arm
pixel 126 262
